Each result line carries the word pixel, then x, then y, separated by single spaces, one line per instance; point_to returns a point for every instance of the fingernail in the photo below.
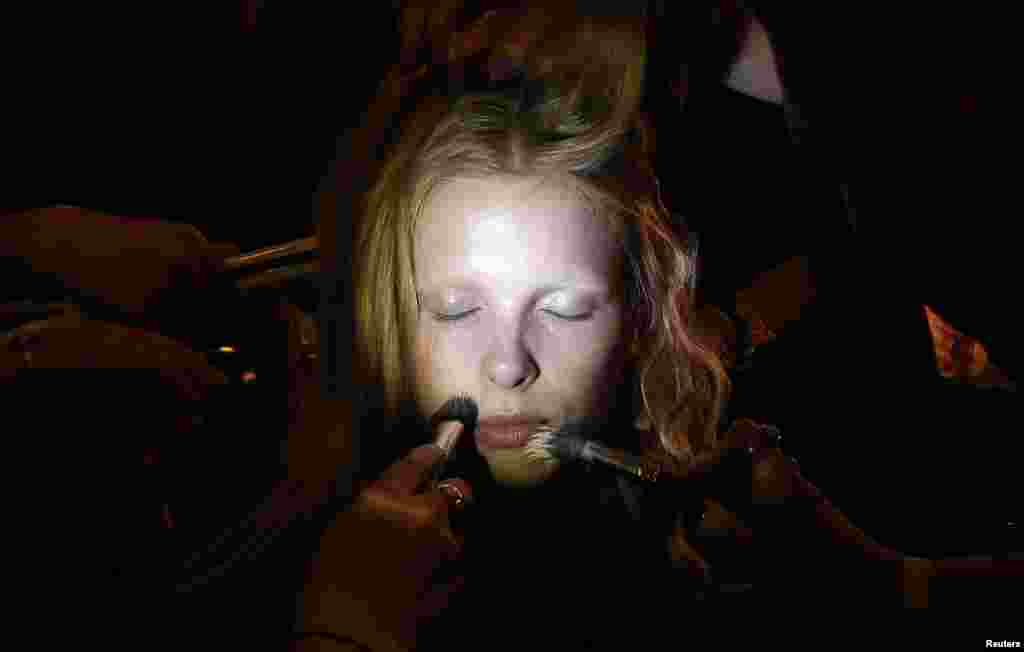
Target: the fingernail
pixel 459 499
pixel 447 434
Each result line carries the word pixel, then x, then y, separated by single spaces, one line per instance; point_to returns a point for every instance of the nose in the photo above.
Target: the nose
pixel 510 365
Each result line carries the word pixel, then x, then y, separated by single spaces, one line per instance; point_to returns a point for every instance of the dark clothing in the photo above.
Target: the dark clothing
pixel 923 465
pixel 565 560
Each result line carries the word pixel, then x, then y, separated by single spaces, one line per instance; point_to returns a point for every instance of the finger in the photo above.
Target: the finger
pixel 688 559
pixel 447 504
pixel 408 474
pixel 459 509
pixel 717 519
pixel 720 525
pixel 457 492
pixel 773 480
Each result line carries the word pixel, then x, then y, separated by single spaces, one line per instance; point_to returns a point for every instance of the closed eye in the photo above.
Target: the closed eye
pixel 456 317
pixel 580 317
pixel 462 315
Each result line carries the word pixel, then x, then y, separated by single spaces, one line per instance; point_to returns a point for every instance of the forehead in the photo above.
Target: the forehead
pixel 512 227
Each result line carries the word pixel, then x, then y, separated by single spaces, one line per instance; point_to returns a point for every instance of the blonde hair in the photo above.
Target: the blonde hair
pixel 578 117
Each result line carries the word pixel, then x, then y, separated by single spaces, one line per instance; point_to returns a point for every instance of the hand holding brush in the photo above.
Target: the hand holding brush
pixel 385 565
pixel 750 475
pixel 747 472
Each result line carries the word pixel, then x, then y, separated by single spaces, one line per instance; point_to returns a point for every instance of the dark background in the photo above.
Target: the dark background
pixel 225 114
pixel 222 114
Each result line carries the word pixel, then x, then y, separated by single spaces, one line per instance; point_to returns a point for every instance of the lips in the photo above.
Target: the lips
pixel 505 432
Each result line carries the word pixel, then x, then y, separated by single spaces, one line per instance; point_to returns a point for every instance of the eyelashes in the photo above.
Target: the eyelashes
pixel 587 316
pixel 458 317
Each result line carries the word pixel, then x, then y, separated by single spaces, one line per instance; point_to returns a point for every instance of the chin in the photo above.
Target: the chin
pixel 513 468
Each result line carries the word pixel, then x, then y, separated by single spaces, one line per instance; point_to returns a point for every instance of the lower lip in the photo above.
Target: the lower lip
pixel 494 437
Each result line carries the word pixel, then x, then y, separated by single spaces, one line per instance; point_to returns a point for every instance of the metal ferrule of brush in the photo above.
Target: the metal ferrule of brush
pixel 461 408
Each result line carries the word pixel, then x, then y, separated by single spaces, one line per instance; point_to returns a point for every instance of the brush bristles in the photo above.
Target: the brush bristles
pixel 539 446
pixel 460 407
pixel 549 444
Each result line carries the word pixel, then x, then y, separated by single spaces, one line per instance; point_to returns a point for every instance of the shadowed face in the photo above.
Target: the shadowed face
pixel 520 297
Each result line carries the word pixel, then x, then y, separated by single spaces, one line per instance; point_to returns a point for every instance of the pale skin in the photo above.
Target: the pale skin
pixel 520 306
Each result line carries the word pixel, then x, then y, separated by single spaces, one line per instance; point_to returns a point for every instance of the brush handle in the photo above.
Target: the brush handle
pixel 634 465
pixel 437 474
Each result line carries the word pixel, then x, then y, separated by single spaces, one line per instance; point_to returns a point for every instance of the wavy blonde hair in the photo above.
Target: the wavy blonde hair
pixel 577 116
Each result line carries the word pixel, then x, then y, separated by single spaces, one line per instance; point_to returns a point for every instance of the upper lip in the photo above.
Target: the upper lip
pixel 514 420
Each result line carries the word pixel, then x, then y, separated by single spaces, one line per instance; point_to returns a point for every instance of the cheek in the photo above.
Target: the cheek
pixel 425 364
pixel 589 365
pixel 443 363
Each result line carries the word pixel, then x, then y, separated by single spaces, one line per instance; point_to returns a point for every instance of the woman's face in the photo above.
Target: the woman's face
pixel 520 307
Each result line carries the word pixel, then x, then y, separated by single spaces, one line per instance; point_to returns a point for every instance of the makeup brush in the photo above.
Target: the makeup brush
pixel 748 441
pixel 461 408
pixel 571 443
pixel 575 441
